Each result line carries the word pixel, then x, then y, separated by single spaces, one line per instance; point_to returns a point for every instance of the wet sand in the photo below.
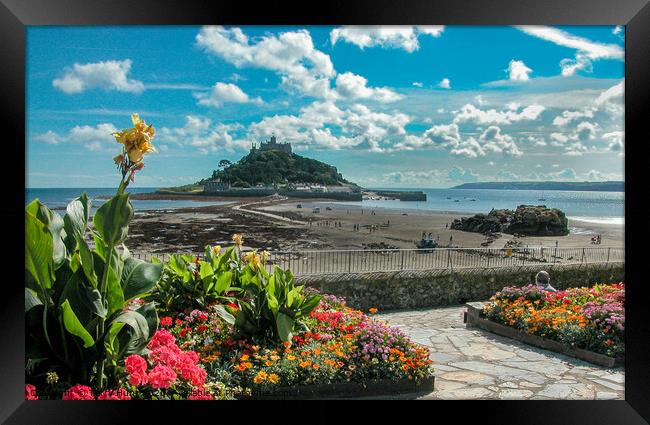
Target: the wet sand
pixel 276 223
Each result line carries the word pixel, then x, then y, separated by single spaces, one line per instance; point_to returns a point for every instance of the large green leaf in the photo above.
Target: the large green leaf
pixel 114 291
pixel 87 262
pixel 139 277
pixel 76 220
pixel 112 219
pixel 54 224
pixel 84 300
pixel 223 282
pixel 285 326
pixel 224 314
pixel 148 311
pixel 74 326
pixel 31 299
pixel 38 254
pixel 135 335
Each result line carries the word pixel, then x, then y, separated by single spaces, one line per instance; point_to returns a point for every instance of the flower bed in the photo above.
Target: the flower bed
pixel 342 346
pixel 591 319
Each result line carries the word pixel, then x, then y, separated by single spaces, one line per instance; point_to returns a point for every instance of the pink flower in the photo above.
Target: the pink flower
pixel 136 368
pixel 78 392
pixel 118 394
pixel 162 377
pixel 165 355
pixel 161 338
pixel 30 392
pixel 195 374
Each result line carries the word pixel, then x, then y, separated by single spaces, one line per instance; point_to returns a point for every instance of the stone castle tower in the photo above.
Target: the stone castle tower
pixel 272 144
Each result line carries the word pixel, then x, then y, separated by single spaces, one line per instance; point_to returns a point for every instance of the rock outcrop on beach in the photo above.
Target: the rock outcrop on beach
pixel 527 220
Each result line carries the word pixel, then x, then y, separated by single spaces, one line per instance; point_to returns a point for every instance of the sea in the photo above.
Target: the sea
pixel 593 207
pixel 58 198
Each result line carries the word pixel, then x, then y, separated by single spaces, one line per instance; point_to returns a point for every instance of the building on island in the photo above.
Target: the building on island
pixel 272 145
pixel 212 186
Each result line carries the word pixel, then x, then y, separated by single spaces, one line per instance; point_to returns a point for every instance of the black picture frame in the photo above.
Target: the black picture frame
pixel 15 15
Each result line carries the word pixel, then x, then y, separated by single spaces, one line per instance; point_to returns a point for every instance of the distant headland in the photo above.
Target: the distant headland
pixel 608 186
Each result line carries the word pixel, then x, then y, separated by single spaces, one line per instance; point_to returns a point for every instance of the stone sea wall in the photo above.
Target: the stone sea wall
pixel 419 289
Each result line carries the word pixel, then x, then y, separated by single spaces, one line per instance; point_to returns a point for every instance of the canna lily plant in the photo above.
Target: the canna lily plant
pixel 83 305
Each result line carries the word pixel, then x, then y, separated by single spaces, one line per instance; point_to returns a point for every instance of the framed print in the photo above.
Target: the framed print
pixel 381 201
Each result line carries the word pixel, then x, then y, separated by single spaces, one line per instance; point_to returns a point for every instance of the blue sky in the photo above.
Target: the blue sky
pixel 389 106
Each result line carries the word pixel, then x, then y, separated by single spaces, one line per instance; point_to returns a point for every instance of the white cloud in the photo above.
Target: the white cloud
pixel 50 137
pixel 494 141
pixel 202 134
pixel 388 36
pixel 611 100
pixel 615 140
pixel 290 54
pixel 518 71
pixel 414 177
pixel 352 86
pixel 444 83
pixel 586 50
pixel 470 113
pixel 567 116
pixel 617 30
pixel 108 75
pixel 93 138
pixel 417 84
pixel 325 125
pixel 225 93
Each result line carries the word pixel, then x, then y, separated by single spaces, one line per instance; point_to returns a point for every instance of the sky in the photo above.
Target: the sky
pixel 414 107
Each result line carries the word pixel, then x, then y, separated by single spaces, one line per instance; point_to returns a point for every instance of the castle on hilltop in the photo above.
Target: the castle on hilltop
pixel 272 145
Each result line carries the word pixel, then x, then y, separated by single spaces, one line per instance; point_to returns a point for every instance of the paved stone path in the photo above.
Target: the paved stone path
pixel 476 364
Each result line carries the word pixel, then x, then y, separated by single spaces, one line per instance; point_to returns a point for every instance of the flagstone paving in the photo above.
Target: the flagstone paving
pixel 476 364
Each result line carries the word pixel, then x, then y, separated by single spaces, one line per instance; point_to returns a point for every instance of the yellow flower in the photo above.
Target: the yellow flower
pixel 273 378
pixel 237 238
pixel 136 140
pixel 373 310
pixel 244 357
pixel 260 377
pixel 291 358
pixel 265 256
pixel 252 259
pixel 216 249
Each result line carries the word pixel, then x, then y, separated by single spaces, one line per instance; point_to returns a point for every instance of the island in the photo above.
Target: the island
pixel 272 168
pixel 606 186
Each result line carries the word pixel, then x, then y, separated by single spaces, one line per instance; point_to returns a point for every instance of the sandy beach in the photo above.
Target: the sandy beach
pixel 277 223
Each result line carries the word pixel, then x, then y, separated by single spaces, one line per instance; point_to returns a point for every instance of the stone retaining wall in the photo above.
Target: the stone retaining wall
pixel 419 289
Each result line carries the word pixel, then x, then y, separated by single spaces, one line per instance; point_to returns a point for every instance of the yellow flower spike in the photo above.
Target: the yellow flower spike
pixel 135 119
pixel 237 238
pixel 265 256
pixel 216 249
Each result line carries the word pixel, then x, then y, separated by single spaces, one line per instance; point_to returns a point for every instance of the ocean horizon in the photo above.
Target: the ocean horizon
pixel 590 206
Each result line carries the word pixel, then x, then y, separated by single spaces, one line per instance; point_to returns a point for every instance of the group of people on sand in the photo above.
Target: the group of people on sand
pixel 596 239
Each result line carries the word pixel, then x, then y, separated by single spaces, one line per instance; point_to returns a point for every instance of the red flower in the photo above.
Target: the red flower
pixel 202 328
pixel 136 368
pixel 162 377
pixel 161 338
pixel 165 321
pixel 233 305
pixel 78 392
pixel 30 392
pixel 184 331
pixel 118 394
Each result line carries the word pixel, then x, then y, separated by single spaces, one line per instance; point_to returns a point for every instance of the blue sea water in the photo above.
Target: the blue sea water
pixel 57 198
pixel 595 207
